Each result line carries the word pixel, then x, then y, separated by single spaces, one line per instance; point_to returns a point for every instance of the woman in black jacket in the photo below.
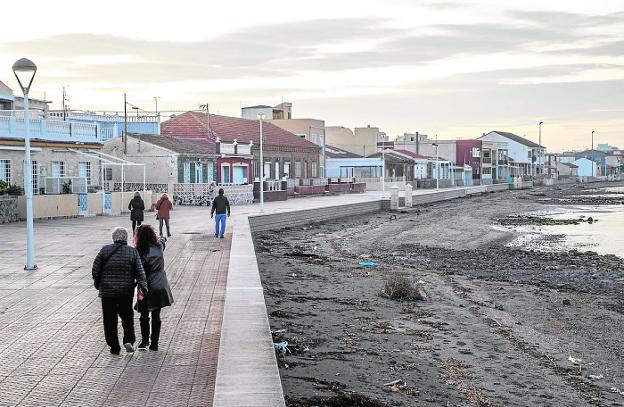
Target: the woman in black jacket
pixel 150 249
pixel 136 208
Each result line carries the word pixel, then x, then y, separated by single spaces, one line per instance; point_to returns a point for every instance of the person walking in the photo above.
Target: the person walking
pixel 221 206
pixel 136 208
pixel 116 271
pixel 163 206
pixel 151 249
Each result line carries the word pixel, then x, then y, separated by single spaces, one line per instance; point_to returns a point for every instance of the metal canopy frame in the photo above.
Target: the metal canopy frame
pixel 110 160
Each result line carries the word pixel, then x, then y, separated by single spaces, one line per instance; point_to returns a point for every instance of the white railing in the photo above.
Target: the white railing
pixel 64 185
pixel 273 185
pixel 12 126
pixel 102 116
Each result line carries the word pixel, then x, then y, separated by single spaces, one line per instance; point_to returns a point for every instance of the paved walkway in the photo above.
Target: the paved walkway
pixel 52 349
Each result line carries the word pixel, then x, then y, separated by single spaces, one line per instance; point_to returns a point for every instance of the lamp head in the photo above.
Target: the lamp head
pixel 24 70
pixel 260 116
pixel 541 123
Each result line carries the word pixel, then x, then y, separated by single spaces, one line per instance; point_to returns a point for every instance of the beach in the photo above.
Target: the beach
pixel 507 320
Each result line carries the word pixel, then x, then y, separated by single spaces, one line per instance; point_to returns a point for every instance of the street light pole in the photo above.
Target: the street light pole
pixel 539 151
pixel 261 117
pixel 27 70
pixel 592 150
pixel 383 166
pixel 437 165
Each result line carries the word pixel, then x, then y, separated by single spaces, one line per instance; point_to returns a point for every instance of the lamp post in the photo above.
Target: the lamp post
pixel 437 165
pixel 261 117
pixel 539 151
pixel 25 70
pixel 592 151
pixel 383 164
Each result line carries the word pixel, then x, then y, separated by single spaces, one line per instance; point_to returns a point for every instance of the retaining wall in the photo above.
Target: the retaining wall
pixel 9 210
pixel 303 217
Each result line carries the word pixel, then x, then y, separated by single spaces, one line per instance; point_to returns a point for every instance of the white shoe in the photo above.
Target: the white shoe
pixel 129 347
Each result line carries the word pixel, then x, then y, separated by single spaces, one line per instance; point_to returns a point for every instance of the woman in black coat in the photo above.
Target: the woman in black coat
pixel 136 208
pixel 151 249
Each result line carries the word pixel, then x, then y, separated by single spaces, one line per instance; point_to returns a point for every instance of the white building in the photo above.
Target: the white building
pixel 527 155
pixel 587 167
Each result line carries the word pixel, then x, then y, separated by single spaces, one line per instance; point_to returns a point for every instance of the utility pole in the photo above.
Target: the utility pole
pixel 539 152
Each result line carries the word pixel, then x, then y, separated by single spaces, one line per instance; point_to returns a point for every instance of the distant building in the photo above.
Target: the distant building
pixel 528 157
pixel 283 111
pixel 363 141
pixel 565 170
pixel 285 154
pixel 344 164
pixel 606 148
pixel 587 167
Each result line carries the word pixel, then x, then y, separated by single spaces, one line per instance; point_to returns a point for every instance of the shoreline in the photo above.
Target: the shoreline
pixel 497 320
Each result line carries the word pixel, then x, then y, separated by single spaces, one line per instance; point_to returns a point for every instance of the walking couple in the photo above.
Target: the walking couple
pixel 163 207
pixel 117 269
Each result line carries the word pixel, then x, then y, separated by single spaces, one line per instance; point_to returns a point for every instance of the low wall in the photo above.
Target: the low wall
pixel 50 206
pixel 310 190
pixel 9 209
pixel 339 188
pixel 298 218
pixel 358 187
pixel 66 205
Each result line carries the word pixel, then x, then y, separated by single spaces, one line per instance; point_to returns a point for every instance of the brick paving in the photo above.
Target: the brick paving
pixel 52 348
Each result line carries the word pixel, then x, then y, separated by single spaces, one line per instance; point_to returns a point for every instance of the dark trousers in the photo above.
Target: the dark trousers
pixel 136 223
pixel 145 326
pixel 122 307
pixel 160 223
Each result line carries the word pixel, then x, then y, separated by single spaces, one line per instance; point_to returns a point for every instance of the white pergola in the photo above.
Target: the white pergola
pixel 110 160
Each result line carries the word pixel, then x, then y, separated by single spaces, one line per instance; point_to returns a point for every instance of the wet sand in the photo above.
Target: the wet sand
pixel 498 327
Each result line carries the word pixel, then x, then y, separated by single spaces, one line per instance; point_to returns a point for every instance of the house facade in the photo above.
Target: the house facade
pixel 344 164
pixel 587 167
pixel 54 163
pixel 168 161
pixel 528 157
pixel 285 154
pixel 362 141
pixel 565 170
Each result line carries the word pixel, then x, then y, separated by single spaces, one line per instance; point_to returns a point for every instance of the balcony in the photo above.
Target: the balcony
pixel 12 126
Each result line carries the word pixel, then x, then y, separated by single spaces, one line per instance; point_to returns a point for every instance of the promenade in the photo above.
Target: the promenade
pixel 52 349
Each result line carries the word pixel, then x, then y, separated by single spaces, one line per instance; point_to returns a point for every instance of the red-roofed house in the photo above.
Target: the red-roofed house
pixel 285 154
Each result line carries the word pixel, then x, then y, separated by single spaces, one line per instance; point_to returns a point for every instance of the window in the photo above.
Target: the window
pixel 108 174
pixel 199 173
pixel 276 174
pixel 298 169
pixel 476 153
pixel 314 169
pixel 287 169
pixel 5 171
pixel 58 169
pixel 35 177
pixel 266 172
pixel 187 172
pixel 84 171
pixel 225 174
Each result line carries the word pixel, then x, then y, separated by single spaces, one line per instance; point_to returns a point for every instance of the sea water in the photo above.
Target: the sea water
pixel 604 236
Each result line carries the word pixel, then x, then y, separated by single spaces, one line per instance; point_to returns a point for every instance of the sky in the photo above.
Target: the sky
pixel 456 68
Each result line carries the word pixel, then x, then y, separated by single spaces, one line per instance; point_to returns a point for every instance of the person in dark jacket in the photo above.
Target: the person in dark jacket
pixel 136 208
pixel 151 249
pixel 116 271
pixel 221 206
pixel 163 206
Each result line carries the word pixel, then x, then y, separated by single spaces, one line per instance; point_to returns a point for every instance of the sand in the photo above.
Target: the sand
pixel 500 326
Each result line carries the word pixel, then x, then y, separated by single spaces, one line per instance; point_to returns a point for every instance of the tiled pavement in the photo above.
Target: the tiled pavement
pixel 52 349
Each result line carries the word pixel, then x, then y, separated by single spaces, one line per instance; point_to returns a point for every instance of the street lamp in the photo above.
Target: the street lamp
pixel 592 151
pixel 261 117
pixel 383 163
pixel 24 71
pixel 539 151
pixel 437 165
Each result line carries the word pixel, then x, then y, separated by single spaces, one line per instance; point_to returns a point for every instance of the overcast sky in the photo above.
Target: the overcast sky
pixel 452 68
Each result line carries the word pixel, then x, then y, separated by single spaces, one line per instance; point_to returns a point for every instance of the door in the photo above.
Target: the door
pixel 240 175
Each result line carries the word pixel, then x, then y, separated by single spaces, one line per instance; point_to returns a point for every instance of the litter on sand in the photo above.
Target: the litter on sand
pixel 281 348
pixel 369 264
